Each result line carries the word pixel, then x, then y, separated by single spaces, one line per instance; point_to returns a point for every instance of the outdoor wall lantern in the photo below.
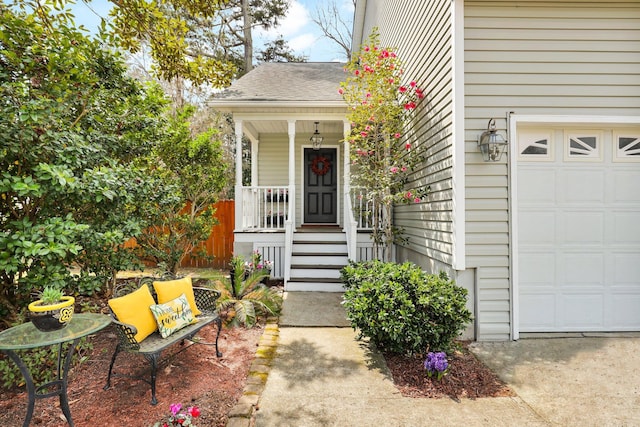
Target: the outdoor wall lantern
pixel 491 143
pixel 316 139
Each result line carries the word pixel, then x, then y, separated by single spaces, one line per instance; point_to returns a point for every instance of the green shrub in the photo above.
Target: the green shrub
pixel 402 309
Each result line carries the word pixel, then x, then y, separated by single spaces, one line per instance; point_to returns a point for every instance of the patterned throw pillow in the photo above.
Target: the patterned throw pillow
pixel 173 315
pixel 171 289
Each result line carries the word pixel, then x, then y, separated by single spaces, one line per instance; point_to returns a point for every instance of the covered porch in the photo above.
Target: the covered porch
pixel 297 207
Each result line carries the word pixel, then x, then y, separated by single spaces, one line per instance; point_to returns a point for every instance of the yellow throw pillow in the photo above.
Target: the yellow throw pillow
pixel 173 316
pixel 133 309
pixel 171 289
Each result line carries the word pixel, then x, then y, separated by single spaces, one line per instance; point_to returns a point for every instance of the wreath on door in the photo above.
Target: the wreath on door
pixel 320 165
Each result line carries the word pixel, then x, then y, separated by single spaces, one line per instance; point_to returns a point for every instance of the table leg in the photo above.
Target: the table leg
pixel 60 383
pixel 31 388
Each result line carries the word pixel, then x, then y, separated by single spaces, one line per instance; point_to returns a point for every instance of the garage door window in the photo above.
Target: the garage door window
pixel 627 147
pixel 535 146
pixel 584 146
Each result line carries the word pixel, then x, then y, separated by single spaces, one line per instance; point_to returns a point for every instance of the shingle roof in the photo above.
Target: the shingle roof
pixel 287 81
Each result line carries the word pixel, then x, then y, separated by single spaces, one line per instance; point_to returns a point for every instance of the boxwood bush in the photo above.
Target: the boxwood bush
pixel 401 308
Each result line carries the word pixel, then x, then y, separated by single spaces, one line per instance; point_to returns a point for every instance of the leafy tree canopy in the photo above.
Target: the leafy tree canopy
pixel 76 139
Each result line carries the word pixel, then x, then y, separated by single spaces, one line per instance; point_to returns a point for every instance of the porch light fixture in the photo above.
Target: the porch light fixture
pixel 491 143
pixel 316 139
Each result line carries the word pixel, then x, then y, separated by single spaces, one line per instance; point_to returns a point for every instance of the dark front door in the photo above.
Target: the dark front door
pixel 320 185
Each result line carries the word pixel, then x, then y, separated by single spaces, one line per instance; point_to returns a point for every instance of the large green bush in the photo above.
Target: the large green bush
pixel 402 309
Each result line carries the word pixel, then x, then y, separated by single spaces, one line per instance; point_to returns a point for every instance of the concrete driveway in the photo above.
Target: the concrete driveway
pixel 575 381
pixel 322 376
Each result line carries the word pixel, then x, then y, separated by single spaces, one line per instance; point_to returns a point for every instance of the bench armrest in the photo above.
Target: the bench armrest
pixel 206 299
pixel 126 334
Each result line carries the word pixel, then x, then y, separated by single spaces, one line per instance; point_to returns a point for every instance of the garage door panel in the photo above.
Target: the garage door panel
pixel 582 227
pixel 538 311
pixel 582 312
pixel 582 269
pixel 539 186
pixel 583 187
pixel 626 270
pixel 625 311
pixel 626 227
pixel 538 268
pixel 538 227
pixel 626 188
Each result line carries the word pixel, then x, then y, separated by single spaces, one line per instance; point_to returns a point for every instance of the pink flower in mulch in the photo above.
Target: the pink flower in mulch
pixel 357 72
pixel 368 94
pixel 363 134
pixel 340 91
pixel 407 146
pixel 410 105
pixel 409 195
pixel 175 408
pixel 403 169
pixel 397 135
pixel 412 84
pixel 394 169
pixel 417 200
pixel 367 49
pixel 402 89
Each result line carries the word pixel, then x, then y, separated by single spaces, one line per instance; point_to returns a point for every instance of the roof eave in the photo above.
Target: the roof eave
pixel 233 105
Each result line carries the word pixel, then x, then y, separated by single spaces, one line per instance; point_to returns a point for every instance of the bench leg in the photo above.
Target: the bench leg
pixel 113 360
pixel 219 322
pixel 153 359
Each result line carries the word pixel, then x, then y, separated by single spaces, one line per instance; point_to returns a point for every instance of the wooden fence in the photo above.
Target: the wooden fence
pixel 220 242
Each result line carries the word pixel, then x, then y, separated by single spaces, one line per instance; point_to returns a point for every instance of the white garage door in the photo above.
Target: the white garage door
pixel 578 201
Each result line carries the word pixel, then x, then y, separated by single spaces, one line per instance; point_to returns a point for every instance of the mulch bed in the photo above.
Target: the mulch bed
pixel 467 377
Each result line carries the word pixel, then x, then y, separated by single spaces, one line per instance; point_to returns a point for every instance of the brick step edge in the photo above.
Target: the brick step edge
pixel 243 413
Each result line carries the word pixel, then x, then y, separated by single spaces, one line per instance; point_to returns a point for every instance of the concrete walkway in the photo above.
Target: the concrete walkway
pixel 322 376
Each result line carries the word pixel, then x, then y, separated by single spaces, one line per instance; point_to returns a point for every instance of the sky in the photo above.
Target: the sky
pixel 302 34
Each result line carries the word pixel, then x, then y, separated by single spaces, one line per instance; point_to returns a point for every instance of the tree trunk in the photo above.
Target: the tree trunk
pixel 248 39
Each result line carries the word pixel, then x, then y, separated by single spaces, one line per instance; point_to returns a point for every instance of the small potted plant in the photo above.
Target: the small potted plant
pixel 52 311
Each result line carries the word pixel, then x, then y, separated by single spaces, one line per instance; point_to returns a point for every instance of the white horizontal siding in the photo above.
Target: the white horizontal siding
pixel 424 46
pixel 534 57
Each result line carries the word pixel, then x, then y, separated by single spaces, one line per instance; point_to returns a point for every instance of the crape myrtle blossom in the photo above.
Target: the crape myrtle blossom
pixel 382 148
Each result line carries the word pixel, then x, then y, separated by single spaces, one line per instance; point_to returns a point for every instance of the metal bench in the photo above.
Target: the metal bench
pixel 152 346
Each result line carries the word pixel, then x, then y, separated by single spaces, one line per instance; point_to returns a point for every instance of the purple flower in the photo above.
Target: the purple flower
pixel 436 364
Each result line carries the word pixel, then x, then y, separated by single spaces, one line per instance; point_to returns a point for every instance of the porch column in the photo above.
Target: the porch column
pixel 346 131
pixel 254 162
pixel 292 153
pixel 290 223
pixel 239 199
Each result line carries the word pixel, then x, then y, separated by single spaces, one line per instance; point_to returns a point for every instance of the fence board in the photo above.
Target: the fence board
pixel 219 245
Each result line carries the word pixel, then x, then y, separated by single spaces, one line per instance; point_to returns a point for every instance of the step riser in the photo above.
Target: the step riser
pixel 320 237
pixel 319 274
pixel 313 287
pixel 319 260
pixel 319 248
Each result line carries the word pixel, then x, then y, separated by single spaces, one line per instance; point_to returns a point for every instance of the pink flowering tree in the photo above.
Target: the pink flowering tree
pixel 383 150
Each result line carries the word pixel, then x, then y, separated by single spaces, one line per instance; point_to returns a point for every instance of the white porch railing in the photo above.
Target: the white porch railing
pixel 362 209
pixel 265 207
pixel 350 228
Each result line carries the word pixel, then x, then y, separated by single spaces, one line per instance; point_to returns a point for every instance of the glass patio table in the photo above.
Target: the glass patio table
pixel 26 336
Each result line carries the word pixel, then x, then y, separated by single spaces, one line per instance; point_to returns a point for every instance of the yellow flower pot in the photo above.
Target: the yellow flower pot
pixel 50 317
